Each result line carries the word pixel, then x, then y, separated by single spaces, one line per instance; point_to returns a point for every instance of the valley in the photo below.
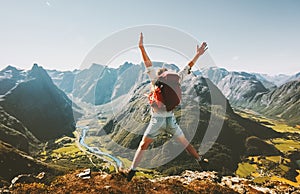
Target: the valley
pixel 275 167
pixel 63 129
pixel 260 168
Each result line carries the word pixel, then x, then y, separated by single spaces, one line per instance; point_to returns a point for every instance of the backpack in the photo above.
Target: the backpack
pixel 167 94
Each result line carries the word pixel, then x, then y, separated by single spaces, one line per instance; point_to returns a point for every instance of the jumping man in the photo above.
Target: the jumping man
pixel 161 119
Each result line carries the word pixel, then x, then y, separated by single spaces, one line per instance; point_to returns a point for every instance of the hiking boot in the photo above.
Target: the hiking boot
pixel 203 163
pixel 131 174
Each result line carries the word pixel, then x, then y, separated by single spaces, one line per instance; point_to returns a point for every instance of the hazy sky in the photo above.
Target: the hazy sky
pixel 255 36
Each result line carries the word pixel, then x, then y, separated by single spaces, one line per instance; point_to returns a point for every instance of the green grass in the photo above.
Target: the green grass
pixel 261 180
pixel 142 174
pixel 275 159
pixel 285 145
pixel 277 125
pixel 264 179
pixel 284 168
pixel 245 169
pixel 91 141
pixel 284 180
pixel 68 149
pixel 282 127
pixel 298 177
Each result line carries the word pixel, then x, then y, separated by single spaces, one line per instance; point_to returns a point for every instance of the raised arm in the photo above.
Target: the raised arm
pixel 199 51
pixel 146 59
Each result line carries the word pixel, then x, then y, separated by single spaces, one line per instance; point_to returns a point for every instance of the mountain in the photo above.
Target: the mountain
pixel 100 84
pixel 259 92
pixel 32 110
pixel 294 77
pixel 9 77
pixel 266 80
pixel 238 87
pixel 215 74
pixel 127 126
pixel 13 132
pixel 278 80
pixel 281 103
pixel 40 106
pixel 34 107
pixel 63 79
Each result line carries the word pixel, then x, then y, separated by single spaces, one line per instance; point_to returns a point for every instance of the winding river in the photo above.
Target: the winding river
pixel 96 150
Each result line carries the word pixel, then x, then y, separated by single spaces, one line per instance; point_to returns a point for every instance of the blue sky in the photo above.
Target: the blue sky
pixel 256 36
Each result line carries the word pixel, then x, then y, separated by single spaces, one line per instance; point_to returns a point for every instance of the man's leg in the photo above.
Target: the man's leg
pixel 203 162
pixel 188 146
pixel 144 144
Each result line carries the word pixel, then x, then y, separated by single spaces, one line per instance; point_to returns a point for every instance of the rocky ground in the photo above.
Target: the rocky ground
pixel 187 182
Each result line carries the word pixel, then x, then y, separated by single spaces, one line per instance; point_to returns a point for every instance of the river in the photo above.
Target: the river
pixel 96 150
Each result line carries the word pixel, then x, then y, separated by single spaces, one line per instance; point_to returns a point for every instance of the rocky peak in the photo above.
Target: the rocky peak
pixel 43 109
pixel 294 77
pixel 9 78
pixel 96 67
pixel 124 67
pixel 10 72
pixel 215 74
pixel 39 73
pixel 9 68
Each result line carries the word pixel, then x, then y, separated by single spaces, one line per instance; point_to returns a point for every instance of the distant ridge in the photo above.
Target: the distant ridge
pixel 43 108
pixel 279 100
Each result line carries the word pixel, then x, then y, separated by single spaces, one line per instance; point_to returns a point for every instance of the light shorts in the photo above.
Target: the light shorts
pixel 158 125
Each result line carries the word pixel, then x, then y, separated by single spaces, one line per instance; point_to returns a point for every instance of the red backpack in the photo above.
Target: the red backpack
pixel 167 93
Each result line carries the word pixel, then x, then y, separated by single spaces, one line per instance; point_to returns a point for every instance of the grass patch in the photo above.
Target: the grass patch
pixel 283 180
pixel 91 141
pixel 298 177
pixel 285 145
pixel 279 126
pixel 261 180
pixel 68 149
pixel 282 127
pixel 126 162
pixel 284 168
pixel 245 169
pixel 142 174
pixel 275 159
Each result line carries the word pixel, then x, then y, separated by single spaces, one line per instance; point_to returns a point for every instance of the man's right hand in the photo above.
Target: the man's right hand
pixel 141 44
pixel 202 49
pixel 146 59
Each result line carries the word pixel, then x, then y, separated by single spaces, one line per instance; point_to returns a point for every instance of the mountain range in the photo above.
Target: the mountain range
pixel 259 92
pixel 35 108
pixel 127 126
pixel 32 111
pixel 242 89
pixel 100 84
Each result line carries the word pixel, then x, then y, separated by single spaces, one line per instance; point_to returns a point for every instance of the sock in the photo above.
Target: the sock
pixel 132 168
pixel 200 158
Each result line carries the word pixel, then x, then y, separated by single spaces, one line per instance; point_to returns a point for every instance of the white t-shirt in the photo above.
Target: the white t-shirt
pixel 153 77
